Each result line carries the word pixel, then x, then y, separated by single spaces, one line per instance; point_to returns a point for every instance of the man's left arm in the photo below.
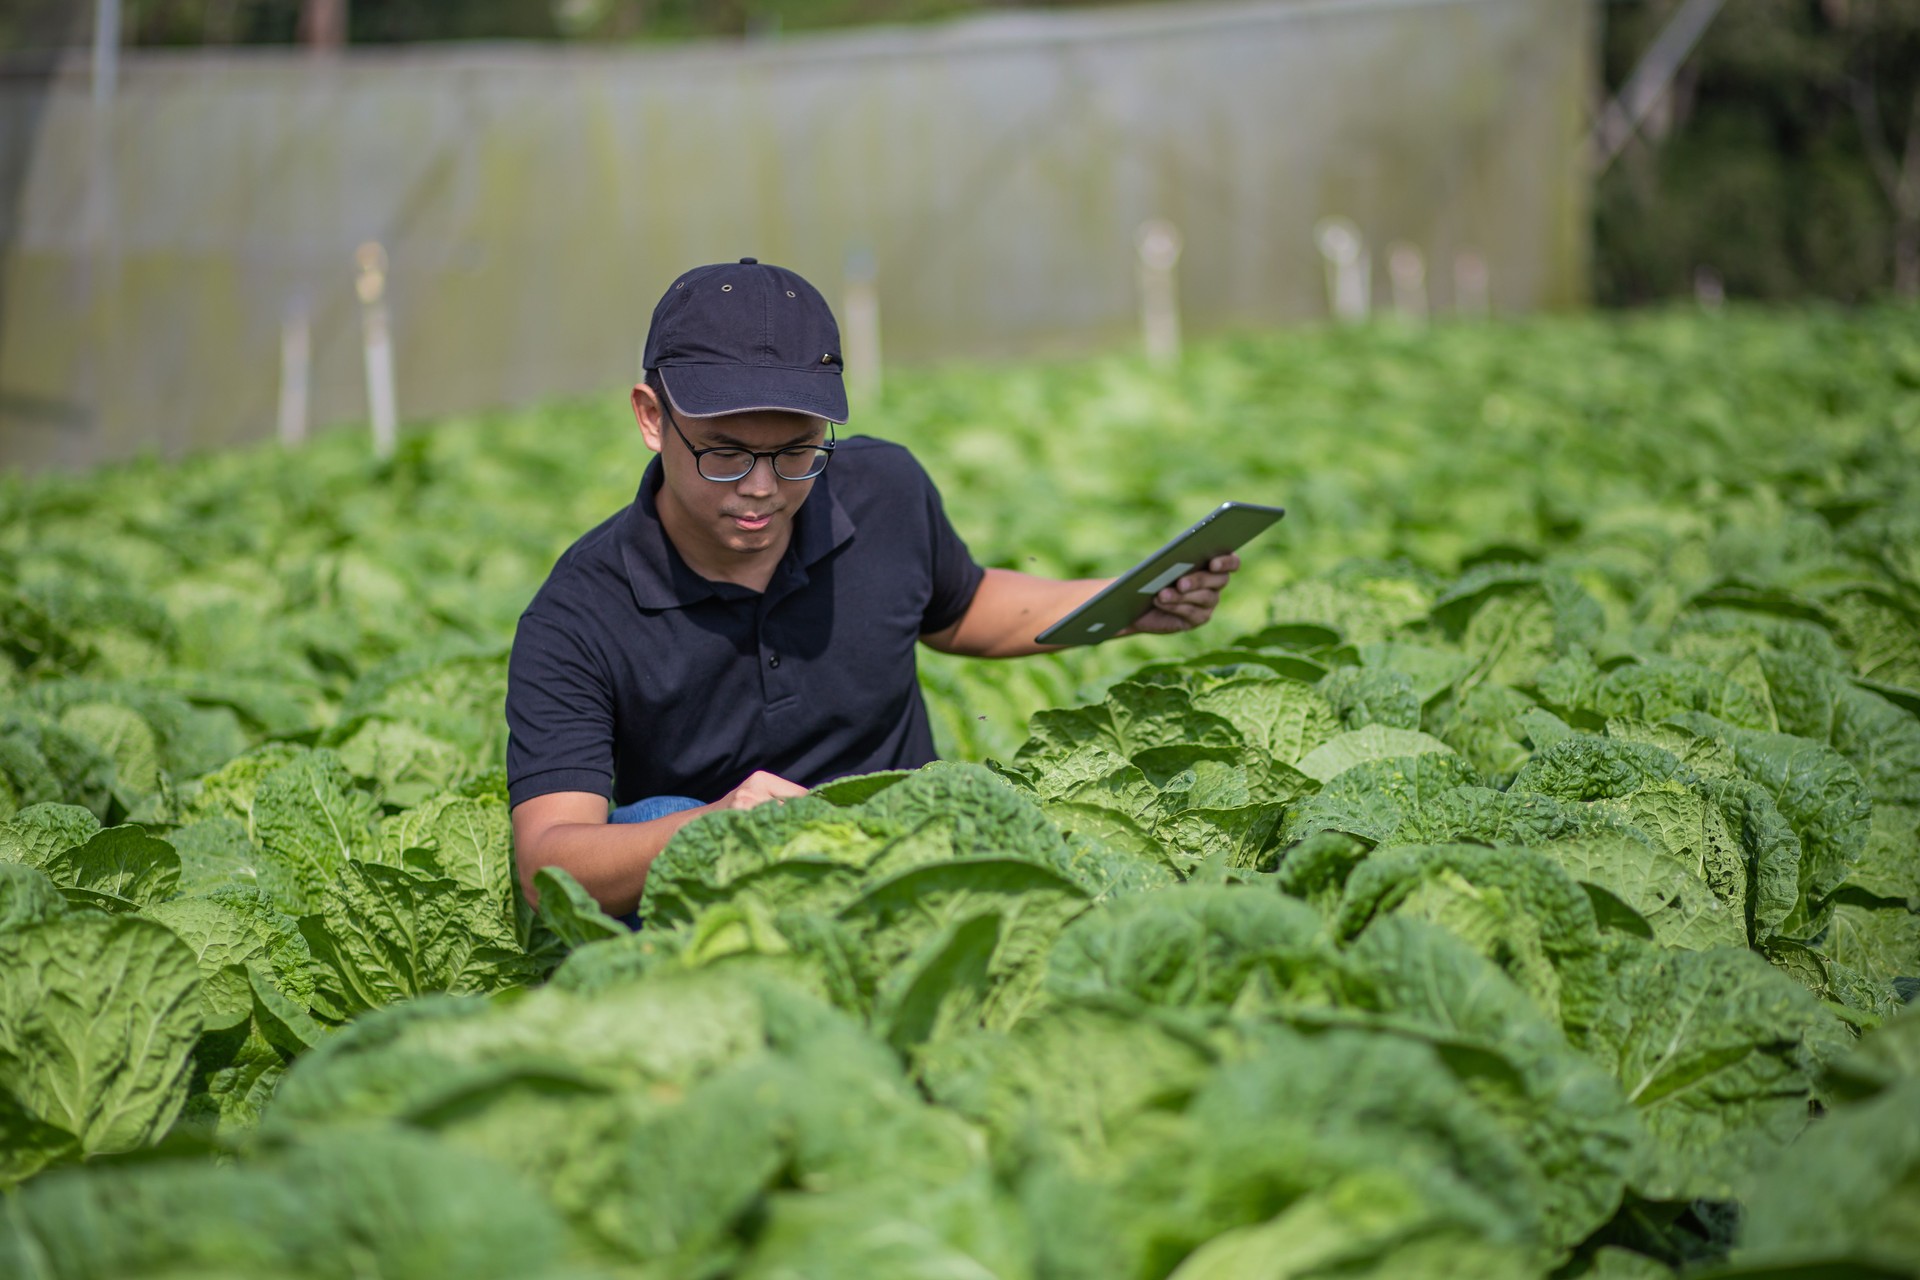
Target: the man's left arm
pixel 1010 608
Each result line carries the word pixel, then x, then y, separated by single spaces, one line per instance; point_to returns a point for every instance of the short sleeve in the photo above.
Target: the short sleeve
pixel 956 577
pixel 559 713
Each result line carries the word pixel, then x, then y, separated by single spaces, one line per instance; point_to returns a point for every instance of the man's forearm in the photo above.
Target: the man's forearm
pixel 1009 610
pixel 609 859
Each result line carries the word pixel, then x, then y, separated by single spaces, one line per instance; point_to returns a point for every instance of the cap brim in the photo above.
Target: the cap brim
pixel 707 390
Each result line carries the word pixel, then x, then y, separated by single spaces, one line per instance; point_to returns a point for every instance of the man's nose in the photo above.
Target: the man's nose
pixel 761 480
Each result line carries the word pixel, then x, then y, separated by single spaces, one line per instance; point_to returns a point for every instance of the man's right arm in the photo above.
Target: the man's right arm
pixel 569 830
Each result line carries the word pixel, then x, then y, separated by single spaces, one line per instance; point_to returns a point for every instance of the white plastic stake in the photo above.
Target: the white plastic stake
pixel 1349 268
pixel 862 337
pixel 1407 268
pixel 1472 292
pixel 371 285
pixel 1159 244
pixel 296 362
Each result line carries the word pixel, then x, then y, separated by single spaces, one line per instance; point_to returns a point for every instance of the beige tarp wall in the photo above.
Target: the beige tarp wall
pixel 534 201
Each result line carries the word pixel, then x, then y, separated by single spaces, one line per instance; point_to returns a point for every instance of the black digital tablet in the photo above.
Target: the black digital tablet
pixel 1227 527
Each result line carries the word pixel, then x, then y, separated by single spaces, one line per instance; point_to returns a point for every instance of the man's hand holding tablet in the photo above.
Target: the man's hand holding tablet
pixel 1175 588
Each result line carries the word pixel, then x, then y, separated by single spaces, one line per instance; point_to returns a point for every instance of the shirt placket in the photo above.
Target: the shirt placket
pixel 779 674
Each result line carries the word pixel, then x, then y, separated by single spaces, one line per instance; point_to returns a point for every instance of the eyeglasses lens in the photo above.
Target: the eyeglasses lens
pixel 793 464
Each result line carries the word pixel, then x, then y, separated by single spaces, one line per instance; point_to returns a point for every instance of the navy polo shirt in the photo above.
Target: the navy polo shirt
pixel 633 676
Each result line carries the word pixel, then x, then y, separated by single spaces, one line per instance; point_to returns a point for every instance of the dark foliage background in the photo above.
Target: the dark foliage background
pixel 1785 164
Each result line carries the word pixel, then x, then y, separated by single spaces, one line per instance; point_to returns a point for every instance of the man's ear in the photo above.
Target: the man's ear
pixel 646 412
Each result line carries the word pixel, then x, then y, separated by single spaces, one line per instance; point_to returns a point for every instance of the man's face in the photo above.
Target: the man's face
pixel 723 527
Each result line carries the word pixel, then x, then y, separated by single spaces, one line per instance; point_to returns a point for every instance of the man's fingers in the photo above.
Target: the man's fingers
pixel 761 787
pixel 1196 582
pixel 1202 597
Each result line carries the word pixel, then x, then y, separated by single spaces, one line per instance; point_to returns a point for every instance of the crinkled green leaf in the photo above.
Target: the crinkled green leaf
pixel 1517 907
pixel 1889 867
pixel 98 1018
pixel 859 788
pixel 386 934
pixel 28 1144
pixel 1374 799
pixel 242 926
pixel 1360 746
pixel 1316 869
pixel 1772 848
pixel 1880 941
pixel 27 897
pixel 40 833
pixel 1590 767
pixel 124 737
pixel 229 791
pixel 570 910
pixel 1690 826
pixel 1881 740
pixel 1567 1114
pixel 400 1203
pixel 1655 689
pixel 1848 1196
pixel 307 817
pixel 1717 1051
pixel 1660 886
pixel 124 862
pixel 216 853
pixel 1372 695
pixel 896 918
pixel 1495 817
pixel 1816 790
pixel 1282 718
pixel 1198 945
pixel 1132 718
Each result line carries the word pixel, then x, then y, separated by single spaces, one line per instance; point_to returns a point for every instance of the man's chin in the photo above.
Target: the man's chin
pixel 748 537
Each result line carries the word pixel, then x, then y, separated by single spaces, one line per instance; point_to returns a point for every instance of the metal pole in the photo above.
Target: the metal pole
pixel 296 362
pixel 106 52
pixel 1407 269
pixel 1472 289
pixel 862 304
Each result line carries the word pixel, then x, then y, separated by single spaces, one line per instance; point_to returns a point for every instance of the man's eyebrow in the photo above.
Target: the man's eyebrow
pixel 721 440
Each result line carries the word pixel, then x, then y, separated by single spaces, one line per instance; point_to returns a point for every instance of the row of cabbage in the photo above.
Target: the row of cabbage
pixel 1406 956
pixel 1548 913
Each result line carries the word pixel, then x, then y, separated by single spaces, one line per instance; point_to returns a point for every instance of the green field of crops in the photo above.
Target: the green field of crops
pixel 1520 877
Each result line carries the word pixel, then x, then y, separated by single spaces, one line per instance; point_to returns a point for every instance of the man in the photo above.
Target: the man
pixel 745 629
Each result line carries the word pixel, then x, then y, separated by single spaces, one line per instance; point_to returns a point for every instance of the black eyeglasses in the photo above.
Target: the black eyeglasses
pixel 725 464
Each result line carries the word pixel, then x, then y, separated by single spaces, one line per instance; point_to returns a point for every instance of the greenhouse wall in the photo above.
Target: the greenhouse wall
pixel 159 243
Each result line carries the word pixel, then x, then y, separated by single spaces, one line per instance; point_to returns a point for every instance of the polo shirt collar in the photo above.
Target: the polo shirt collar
pixel 662 580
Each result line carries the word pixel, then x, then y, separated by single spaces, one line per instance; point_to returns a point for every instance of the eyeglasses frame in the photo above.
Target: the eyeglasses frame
pixel 771 455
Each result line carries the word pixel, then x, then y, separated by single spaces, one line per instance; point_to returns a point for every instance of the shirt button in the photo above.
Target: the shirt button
pixel 773 660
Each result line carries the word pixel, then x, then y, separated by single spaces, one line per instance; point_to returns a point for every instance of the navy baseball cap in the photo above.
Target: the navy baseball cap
pixel 741 336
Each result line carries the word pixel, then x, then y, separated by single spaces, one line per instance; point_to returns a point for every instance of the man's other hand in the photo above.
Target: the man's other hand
pixel 1189 602
pixel 759 788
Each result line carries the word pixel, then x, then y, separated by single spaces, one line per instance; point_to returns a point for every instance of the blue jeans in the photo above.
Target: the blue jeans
pixel 646 811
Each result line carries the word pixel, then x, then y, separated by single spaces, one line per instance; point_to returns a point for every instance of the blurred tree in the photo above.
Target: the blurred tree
pixel 1785 162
